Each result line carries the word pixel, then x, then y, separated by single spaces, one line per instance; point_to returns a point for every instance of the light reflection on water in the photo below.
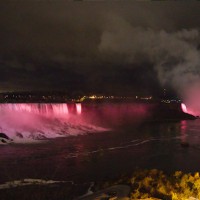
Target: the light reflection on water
pixel 101 155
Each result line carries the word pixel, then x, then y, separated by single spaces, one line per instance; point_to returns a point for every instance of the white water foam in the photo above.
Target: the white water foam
pixel 133 143
pixel 24 123
pixel 29 181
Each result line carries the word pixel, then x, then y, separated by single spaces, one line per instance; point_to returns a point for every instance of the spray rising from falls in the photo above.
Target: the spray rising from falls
pixel 174 56
pixel 26 122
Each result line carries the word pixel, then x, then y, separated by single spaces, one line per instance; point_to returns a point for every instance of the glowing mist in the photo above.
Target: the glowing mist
pixel 183 107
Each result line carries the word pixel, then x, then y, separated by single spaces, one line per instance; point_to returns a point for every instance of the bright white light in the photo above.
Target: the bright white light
pixel 184 108
pixel 78 108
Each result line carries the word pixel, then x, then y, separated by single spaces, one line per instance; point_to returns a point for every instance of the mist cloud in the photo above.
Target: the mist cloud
pixel 81 43
pixel 174 55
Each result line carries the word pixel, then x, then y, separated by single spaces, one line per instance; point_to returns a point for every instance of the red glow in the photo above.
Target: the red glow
pixel 117 114
pixel 78 108
pixel 191 96
pixel 184 108
pixel 36 121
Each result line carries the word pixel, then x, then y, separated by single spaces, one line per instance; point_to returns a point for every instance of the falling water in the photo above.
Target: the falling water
pixel 48 109
pixel 38 121
pixel 78 108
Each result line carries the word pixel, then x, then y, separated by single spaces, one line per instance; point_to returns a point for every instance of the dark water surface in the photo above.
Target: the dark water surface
pixel 168 146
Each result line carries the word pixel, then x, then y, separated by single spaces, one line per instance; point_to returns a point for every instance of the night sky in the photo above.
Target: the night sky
pixel 101 47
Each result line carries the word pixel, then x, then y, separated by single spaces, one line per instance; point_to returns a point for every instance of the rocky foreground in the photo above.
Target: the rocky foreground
pixel 151 185
pixel 143 184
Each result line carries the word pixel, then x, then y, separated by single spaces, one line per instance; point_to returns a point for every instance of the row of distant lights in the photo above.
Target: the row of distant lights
pixel 171 101
pixel 30 96
pixel 136 97
pixel 114 97
pixel 89 97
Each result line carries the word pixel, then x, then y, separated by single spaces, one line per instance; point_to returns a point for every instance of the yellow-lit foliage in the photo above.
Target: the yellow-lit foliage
pixel 155 184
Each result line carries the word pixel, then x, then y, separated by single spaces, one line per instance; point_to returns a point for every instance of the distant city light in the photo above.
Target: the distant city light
pixel 92 97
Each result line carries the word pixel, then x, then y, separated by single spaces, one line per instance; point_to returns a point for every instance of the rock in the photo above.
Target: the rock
pixel 3 135
pixel 115 192
pixel 4 139
pixel 19 135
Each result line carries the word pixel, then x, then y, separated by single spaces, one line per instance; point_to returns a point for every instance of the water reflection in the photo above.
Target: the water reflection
pixel 96 156
pixel 184 136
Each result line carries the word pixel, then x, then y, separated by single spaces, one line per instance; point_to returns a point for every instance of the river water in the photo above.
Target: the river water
pixel 167 145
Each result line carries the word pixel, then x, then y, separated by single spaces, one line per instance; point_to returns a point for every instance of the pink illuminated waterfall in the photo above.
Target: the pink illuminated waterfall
pixel 47 109
pixel 78 108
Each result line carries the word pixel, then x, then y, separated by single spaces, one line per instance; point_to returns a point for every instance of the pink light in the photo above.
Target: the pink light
pixel 78 108
pixel 183 107
pixel 60 109
pixel 48 109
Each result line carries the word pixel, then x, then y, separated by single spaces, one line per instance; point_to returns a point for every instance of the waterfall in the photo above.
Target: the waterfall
pixel 47 109
pixel 28 122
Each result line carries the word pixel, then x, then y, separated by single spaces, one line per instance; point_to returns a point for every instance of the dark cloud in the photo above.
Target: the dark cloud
pixel 92 46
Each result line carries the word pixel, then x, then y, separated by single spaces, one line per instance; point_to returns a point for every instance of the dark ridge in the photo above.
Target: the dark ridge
pixel 3 135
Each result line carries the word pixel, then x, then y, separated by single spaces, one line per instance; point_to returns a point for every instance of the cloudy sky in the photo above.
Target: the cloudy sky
pixel 117 47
